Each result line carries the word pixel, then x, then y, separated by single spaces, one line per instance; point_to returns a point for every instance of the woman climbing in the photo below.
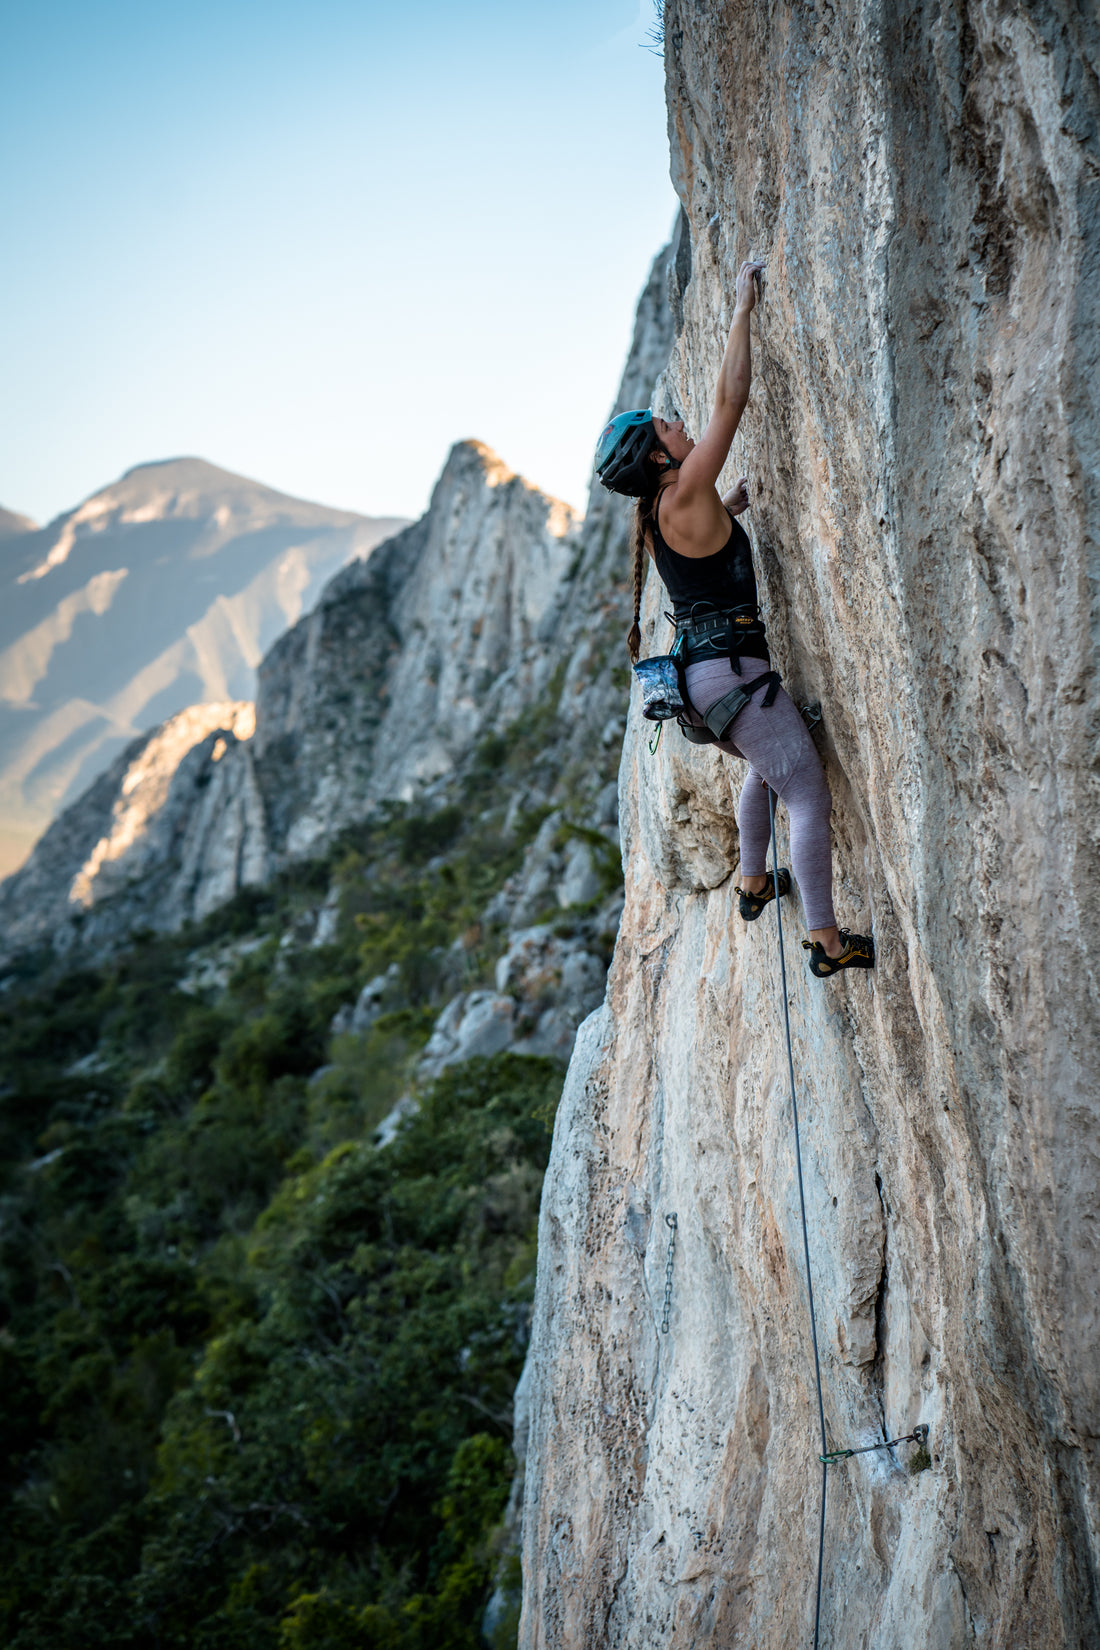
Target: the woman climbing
pixel 704 559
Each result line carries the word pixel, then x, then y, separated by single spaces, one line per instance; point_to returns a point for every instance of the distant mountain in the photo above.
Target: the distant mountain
pixel 11 522
pixel 162 591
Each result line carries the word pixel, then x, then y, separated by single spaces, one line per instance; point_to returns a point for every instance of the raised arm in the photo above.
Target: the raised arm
pixel 703 465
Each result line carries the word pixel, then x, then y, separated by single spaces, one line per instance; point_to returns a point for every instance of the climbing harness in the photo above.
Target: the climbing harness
pixel 664 686
pixel 713 632
pixel 828 1458
pixel 919 1435
pixel 670 1222
pixel 724 712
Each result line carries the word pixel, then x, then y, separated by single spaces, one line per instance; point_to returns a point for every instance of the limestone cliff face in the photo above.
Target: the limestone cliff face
pixel 445 634
pixel 13 525
pixel 923 443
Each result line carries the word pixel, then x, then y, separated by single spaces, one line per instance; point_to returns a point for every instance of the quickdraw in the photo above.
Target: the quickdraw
pixel 919 1435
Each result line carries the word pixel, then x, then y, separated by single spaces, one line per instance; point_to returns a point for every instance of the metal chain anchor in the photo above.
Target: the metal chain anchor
pixel 670 1222
pixel 919 1435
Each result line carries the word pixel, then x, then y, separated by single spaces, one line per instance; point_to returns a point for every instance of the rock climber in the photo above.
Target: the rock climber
pixel 704 560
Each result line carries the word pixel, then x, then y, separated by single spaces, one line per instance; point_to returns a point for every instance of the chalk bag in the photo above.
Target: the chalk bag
pixel 660 683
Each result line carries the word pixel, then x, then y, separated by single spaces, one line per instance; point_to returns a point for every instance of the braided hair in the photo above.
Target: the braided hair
pixel 643 525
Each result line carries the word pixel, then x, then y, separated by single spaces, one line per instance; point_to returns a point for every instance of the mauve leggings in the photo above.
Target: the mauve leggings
pixel 775 744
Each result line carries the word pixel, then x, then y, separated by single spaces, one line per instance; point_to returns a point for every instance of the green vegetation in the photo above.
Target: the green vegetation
pixel 258 1371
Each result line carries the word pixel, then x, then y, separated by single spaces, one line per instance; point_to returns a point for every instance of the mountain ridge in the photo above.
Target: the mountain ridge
pixel 161 590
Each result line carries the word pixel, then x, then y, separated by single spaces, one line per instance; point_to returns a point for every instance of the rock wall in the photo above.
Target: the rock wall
pixel 447 633
pixel 923 443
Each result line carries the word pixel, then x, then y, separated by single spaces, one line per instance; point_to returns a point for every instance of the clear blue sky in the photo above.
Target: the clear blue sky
pixel 317 243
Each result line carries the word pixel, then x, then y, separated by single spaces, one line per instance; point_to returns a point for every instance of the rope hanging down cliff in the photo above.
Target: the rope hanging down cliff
pixel 828 1458
pixel 805 1233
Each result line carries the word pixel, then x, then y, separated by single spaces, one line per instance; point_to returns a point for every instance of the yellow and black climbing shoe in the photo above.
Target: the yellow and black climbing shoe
pixel 751 905
pixel 858 952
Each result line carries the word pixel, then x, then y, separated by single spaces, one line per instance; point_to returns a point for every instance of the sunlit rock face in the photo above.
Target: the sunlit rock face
pixel 161 591
pixel 923 444
pixel 498 600
pixel 447 633
pixel 171 830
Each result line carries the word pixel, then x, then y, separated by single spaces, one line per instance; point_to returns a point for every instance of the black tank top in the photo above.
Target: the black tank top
pixel 724 580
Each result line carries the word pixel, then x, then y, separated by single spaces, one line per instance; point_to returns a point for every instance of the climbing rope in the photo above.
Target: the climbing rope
pixel 828 1458
pixel 805 1233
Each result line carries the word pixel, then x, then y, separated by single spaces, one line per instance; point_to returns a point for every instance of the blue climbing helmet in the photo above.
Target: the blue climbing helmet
pixel 621 454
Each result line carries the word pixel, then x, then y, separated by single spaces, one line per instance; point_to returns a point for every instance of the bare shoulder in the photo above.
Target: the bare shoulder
pixel 695 523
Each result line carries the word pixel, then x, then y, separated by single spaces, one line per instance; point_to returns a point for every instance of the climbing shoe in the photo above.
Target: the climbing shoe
pixel 751 905
pixel 859 952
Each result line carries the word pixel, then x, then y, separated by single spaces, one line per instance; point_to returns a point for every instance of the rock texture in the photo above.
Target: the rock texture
pixel 923 443
pixel 164 589
pixel 447 633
